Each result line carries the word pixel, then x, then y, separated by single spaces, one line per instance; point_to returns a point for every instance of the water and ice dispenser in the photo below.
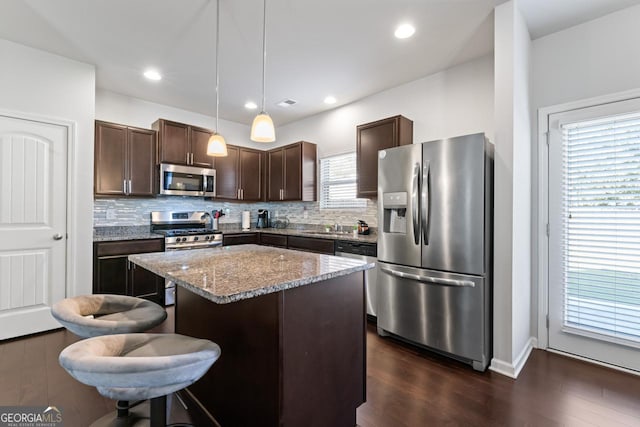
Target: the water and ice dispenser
pixel 394 206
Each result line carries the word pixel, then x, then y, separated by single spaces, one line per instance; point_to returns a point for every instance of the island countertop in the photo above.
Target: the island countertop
pixel 232 273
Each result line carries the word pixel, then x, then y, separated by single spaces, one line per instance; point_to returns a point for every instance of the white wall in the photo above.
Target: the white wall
pixel 596 58
pixel 114 107
pixel 456 101
pixel 512 197
pixel 47 85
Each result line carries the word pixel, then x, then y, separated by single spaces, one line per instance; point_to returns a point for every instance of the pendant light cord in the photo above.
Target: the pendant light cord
pixel 264 52
pixel 217 53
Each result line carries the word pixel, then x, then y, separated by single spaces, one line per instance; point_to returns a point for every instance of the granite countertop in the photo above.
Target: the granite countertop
pixel 106 234
pixel 136 232
pixel 305 232
pixel 233 273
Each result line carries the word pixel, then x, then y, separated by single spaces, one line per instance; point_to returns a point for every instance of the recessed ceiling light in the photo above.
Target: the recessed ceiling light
pixel 404 31
pixel 330 100
pixel 250 105
pixel 152 75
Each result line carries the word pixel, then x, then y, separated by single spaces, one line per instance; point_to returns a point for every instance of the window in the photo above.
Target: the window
pixel 338 182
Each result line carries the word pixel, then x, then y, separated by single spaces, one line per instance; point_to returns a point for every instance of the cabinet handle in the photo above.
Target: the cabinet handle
pixel 191 159
pixel 129 187
pixel 187 158
pixel 242 193
pixel 124 186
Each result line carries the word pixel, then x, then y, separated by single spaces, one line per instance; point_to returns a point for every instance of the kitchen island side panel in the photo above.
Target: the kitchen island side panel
pixel 241 388
pixel 291 358
pixel 324 365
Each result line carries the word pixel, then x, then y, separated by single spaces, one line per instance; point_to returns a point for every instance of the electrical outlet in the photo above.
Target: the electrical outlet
pixel 111 214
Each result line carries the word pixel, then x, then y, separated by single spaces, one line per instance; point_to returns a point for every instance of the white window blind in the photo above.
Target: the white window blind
pixel 338 182
pixel 601 211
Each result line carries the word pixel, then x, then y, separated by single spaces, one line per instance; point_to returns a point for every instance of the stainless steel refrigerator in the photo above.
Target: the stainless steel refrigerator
pixel 435 208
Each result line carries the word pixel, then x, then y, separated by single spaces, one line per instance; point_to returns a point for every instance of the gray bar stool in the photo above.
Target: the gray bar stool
pixel 104 314
pixel 139 366
pixel 96 315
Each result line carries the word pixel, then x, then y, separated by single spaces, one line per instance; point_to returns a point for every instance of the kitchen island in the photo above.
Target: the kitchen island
pixel 291 326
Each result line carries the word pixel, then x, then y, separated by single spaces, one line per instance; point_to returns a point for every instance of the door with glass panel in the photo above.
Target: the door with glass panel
pixel 594 239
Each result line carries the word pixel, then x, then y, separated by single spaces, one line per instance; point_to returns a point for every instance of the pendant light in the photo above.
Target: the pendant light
pixel 262 129
pixel 216 146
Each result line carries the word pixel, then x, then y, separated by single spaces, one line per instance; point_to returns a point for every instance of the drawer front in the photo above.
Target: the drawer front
pixel 310 244
pixel 239 239
pixel 129 247
pixel 277 240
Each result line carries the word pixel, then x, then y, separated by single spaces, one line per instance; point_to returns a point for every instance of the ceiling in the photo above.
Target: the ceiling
pixel 314 48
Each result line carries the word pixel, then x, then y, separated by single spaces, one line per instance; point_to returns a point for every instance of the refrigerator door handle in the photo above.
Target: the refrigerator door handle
pixel 425 204
pixel 428 279
pixel 415 190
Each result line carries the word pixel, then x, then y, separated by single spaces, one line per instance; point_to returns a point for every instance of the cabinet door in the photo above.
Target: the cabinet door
pixel 251 164
pixel 240 239
pixel 310 244
pixel 227 174
pixel 275 173
pixel 199 140
pixel 142 161
pixel 174 142
pixel 110 159
pixel 277 240
pixel 145 284
pixel 110 275
pixel 293 172
pixel 372 138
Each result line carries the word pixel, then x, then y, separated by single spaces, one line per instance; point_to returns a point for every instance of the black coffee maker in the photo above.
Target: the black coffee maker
pixel 263 218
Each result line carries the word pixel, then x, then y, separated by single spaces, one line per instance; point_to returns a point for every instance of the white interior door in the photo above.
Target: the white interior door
pixel 33 200
pixel 594 240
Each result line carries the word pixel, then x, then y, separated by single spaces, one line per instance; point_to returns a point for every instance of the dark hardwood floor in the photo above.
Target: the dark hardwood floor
pixel 405 387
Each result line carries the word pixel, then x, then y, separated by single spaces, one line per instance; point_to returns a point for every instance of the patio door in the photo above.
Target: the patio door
pixel 594 239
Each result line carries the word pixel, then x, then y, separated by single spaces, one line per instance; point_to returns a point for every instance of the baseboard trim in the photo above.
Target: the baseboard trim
pixel 595 362
pixel 512 370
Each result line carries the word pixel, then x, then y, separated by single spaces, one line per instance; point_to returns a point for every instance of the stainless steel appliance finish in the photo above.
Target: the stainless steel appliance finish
pixel 366 252
pixel 183 230
pixel 435 245
pixel 177 180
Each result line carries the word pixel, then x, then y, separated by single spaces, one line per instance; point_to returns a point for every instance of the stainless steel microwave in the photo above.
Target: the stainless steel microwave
pixel 179 180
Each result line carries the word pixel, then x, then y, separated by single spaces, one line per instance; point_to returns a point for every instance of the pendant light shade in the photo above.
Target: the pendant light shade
pixel 217 147
pixel 262 129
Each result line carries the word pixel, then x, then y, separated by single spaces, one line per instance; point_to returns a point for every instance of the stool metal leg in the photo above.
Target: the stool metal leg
pixel 159 411
pixel 123 408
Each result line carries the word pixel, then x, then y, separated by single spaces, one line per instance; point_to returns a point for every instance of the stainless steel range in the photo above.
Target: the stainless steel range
pixel 184 230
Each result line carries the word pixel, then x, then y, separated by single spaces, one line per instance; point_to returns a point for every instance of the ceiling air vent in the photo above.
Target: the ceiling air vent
pixel 286 103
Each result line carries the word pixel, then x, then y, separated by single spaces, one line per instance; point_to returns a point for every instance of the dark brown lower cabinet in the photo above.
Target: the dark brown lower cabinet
pixel 114 274
pixel 310 244
pixel 240 239
pixel 277 240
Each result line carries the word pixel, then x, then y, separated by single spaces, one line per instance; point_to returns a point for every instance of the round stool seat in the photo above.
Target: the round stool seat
pixel 139 366
pixel 112 314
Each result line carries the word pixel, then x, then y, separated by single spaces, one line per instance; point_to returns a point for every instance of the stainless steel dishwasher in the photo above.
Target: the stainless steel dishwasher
pixel 367 252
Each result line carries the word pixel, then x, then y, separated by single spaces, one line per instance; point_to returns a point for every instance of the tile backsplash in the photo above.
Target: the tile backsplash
pixel 127 212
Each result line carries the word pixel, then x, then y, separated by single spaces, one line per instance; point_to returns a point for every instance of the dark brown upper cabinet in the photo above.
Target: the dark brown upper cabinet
pixel 373 137
pixel 182 144
pixel 240 175
pixel 291 172
pixel 125 159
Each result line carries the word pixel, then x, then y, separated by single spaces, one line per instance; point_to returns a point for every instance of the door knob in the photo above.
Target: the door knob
pixel 57 236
